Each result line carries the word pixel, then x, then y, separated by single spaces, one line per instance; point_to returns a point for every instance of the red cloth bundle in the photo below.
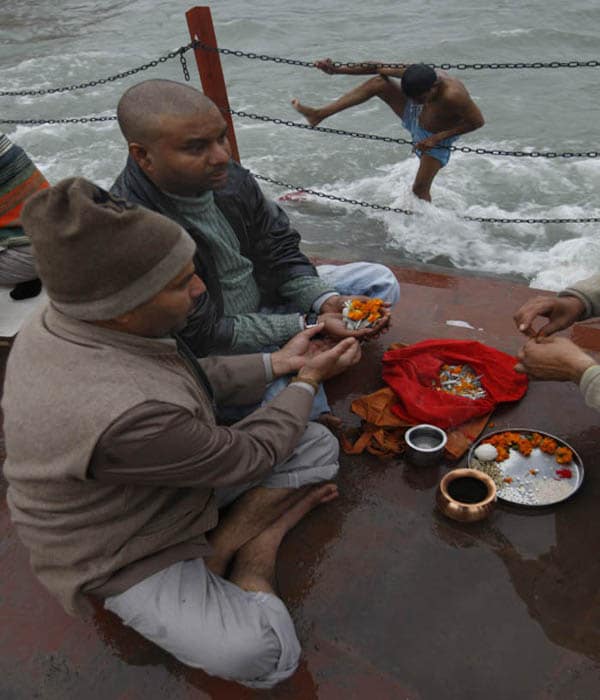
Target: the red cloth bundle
pixel 411 371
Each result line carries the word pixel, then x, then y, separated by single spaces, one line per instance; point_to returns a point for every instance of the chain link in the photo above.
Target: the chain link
pixel 180 52
pixel 182 59
pixel 397 210
pixel 444 66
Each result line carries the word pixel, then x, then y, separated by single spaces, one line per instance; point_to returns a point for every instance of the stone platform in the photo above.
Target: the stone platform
pixel 391 600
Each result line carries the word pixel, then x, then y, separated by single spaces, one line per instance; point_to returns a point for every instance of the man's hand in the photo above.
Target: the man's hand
pixel 292 356
pixel 334 326
pixel 430 142
pixel 326 65
pixel 327 364
pixel 561 312
pixel 557 359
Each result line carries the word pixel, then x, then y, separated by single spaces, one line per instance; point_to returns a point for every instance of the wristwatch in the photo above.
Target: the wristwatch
pixel 311 320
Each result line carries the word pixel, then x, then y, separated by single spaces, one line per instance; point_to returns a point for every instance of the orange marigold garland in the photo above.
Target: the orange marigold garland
pixel 503 442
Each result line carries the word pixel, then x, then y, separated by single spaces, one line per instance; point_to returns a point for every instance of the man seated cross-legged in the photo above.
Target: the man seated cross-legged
pixel 117 468
pixel 261 288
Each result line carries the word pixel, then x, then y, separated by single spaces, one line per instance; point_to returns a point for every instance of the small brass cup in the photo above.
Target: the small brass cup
pixel 466 495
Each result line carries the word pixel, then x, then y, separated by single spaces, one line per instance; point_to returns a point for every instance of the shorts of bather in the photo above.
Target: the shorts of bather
pixel 410 120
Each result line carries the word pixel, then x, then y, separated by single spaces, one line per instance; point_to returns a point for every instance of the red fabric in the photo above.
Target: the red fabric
pixel 410 371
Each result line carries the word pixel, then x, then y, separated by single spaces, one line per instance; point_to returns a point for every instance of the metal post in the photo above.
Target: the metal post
pixel 201 28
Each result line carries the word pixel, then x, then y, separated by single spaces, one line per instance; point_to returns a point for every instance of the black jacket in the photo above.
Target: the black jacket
pixel 265 235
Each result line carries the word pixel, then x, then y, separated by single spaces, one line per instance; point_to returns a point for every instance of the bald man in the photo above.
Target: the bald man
pixel 261 288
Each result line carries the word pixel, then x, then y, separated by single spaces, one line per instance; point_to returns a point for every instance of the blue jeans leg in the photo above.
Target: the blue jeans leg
pixel 368 279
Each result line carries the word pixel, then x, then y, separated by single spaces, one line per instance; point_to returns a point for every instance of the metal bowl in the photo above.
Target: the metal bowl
pixel 425 444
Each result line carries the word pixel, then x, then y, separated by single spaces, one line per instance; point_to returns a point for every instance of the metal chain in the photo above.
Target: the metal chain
pixel 326 130
pixel 332 197
pixel 397 210
pixel 443 66
pixel 288 61
pixel 111 78
pixel 389 139
pixel 69 120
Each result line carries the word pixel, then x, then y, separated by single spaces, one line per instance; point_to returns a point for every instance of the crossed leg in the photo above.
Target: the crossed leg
pixel 254 564
pixel 253 529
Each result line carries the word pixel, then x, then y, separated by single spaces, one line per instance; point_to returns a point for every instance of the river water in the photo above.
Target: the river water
pixel 50 43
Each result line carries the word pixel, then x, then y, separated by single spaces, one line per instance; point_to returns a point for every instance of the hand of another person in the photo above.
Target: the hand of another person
pixel 292 356
pixel 556 358
pixel 561 312
pixel 334 326
pixel 328 363
pixel 318 345
pixel 326 65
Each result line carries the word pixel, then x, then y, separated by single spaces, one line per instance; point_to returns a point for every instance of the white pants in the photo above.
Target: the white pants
pixel 210 623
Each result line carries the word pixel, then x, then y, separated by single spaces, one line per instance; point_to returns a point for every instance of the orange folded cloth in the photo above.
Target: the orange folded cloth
pixel 382 431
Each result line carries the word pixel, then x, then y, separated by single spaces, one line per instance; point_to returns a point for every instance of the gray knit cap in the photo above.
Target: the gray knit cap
pixel 99 256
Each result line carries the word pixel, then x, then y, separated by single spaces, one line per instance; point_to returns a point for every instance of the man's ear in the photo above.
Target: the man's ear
pixel 141 156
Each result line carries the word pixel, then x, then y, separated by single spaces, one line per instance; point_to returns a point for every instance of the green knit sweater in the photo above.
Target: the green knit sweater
pixel 241 295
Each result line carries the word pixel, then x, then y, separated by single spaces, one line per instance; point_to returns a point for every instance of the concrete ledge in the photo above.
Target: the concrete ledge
pixel 390 599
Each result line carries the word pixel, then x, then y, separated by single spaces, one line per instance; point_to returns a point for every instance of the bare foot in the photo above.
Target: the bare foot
pixel 315 496
pixel 330 421
pixel 254 564
pixel 311 114
pixel 246 518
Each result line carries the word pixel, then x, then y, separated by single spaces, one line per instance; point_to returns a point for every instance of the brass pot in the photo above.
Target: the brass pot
pixel 466 495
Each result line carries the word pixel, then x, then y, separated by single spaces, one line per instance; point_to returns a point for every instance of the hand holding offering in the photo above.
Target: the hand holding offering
pixel 363 313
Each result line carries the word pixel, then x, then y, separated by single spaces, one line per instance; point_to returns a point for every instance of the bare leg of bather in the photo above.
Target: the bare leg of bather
pixel 379 86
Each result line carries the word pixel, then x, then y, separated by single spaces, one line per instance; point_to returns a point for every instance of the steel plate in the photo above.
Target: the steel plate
pixel 542 489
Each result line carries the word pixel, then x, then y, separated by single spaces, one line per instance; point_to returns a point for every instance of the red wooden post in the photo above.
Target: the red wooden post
pixel 201 28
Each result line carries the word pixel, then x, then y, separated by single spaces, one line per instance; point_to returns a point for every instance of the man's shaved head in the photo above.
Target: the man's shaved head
pixel 140 109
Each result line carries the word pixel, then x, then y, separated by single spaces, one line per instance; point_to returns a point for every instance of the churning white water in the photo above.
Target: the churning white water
pixel 46 44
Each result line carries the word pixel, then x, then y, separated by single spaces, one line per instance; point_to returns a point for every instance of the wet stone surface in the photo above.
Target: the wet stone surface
pixel 391 600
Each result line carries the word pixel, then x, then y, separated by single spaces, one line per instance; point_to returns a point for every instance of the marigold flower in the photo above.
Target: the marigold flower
pixel 548 445
pixel 563 455
pixel 502 453
pixel 536 439
pixel 524 446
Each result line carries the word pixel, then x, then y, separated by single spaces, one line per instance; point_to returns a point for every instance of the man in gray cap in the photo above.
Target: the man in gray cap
pixel 116 466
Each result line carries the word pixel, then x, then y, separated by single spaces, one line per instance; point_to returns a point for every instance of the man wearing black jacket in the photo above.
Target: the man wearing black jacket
pixel 260 285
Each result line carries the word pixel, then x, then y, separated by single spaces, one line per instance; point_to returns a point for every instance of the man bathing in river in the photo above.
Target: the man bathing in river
pixel 435 107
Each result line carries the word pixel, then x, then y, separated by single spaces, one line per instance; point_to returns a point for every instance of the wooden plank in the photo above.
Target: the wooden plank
pixel 201 28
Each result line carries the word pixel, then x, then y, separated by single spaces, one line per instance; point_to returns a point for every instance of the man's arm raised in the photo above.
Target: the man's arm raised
pixel 361 68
